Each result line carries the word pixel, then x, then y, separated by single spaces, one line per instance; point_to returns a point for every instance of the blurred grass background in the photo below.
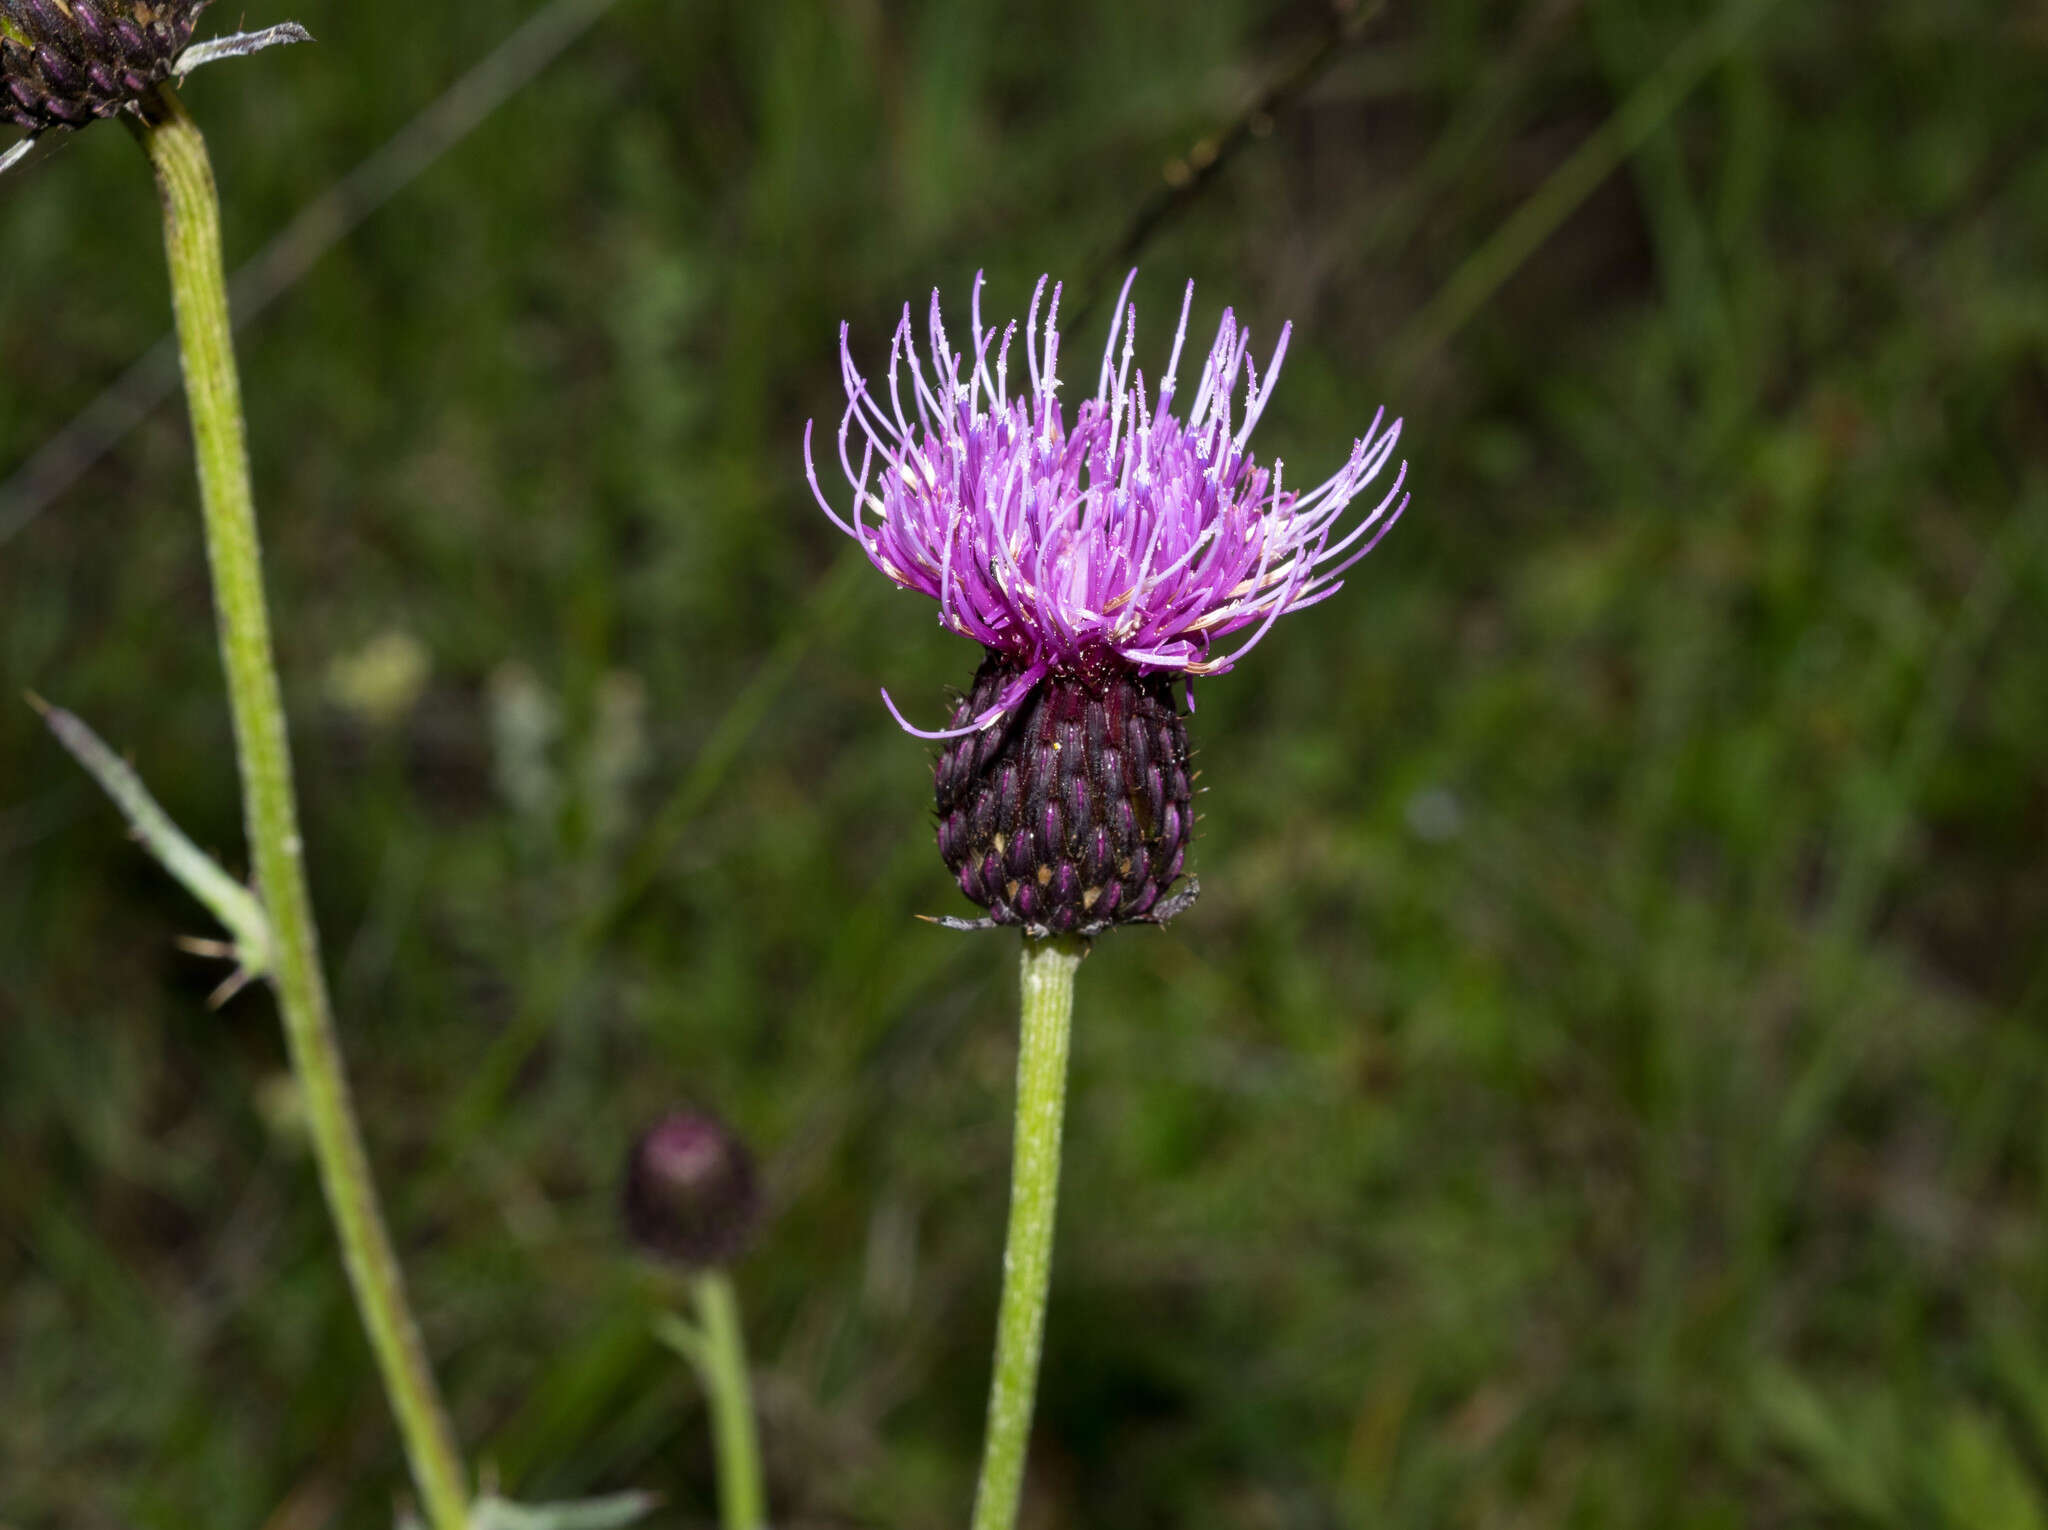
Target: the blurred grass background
pixel 1601 1084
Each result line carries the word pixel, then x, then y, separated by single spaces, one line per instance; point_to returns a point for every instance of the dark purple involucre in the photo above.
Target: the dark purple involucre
pixel 64 63
pixel 1072 813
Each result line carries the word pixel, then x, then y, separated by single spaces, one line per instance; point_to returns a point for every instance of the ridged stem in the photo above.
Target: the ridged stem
pixel 1047 984
pixel 722 1365
pixel 191 205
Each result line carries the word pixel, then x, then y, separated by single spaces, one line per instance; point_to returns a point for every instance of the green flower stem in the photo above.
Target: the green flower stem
pixel 1048 1006
pixel 721 1357
pixel 192 244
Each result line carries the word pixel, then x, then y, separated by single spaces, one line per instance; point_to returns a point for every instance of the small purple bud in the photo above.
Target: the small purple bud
pixel 690 1197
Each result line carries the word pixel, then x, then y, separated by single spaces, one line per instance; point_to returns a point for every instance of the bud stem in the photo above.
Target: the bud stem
pixel 1047 982
pixel 721 1359
pixel 192 245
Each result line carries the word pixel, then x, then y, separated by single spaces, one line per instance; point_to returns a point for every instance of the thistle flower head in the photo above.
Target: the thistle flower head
pixel 1141 536
pixel 690 1193
pixel 1096 560
pixel 64 63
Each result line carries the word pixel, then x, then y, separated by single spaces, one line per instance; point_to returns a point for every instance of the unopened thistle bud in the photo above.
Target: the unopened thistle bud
pixel 1097 564
pixel 691 1198
pixel 66 62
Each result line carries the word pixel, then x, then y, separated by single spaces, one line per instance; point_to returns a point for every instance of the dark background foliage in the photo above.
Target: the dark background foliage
pixel 1601 1083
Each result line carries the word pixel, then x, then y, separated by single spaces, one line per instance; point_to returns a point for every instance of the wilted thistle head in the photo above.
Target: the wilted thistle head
pixel 1095 563
pixel 67 62
pixel 690 1194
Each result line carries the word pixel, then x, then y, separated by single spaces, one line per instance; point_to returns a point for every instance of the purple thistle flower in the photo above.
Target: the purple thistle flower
pixel 1095 563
